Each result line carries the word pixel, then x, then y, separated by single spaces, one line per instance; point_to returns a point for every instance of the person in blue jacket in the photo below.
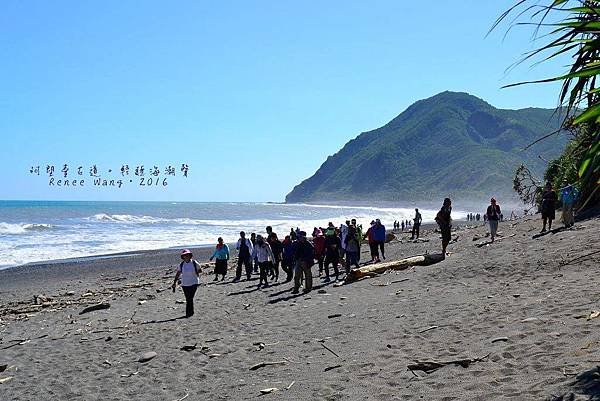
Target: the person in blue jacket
pixel 568 196
pixel 222 255
pixel 379 236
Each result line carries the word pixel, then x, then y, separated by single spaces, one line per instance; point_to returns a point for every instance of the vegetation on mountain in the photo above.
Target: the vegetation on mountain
pixel 452 144
pixel 571 28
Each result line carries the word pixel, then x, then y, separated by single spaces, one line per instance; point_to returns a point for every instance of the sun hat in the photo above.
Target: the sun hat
pixel 186 252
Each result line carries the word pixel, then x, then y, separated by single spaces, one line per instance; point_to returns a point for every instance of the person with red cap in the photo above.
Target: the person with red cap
pixel 493 216
pixel 189 271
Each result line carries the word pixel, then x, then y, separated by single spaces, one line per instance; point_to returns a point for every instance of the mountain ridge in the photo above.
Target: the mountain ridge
pixel 451 144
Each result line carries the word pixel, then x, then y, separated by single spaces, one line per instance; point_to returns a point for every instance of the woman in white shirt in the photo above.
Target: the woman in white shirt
pixel 189 270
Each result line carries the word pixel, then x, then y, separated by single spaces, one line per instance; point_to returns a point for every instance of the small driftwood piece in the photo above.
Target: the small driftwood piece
pixel 432 365
pixel 329 349
pixel 428 328
pixel 263 364
pixel 402 264
pixel 100 306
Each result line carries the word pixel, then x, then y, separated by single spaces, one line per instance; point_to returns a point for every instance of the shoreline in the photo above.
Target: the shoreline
pixel 85 258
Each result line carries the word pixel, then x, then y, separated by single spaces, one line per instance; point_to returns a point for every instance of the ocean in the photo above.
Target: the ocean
pixel 40 231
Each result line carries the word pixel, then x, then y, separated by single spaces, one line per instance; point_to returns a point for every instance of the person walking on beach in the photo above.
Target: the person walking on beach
pixel 343 234
pixel 319 245
pixel 264 256
pixel 222 255
pixel 418 219
pixel 444 221
pixel 277 248
pixel 254 261
pixel 379 236
pixel 359 235
pixel 352 248
pixel 549 199
pixel 332 254
pixel 245 248
pixel 287 261
pixel 303 259
pixel 372 243
pixel 189 271
pixel 493 216
pixel 568 196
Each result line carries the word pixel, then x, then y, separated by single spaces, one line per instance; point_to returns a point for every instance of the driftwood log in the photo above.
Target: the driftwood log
pixel 431 365
pixel 378 268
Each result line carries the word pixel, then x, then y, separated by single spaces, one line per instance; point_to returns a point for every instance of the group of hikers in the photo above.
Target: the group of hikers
pixel 331 246
pixel 338 247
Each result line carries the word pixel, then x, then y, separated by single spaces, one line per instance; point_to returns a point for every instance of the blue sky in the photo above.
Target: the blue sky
pixel 252 95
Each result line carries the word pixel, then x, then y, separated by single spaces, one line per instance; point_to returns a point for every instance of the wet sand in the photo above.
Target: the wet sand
pixel 515 307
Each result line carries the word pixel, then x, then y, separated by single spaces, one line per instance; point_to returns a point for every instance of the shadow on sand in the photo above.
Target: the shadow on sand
pixel 300 294
pixel 585 384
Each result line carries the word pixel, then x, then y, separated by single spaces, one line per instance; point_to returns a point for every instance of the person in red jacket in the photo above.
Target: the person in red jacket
pixel 319 244
pixel 369 235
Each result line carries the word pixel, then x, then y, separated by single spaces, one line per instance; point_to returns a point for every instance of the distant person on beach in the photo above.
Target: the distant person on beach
pixel 549 199
pixel 359 234
pixel 444 221
pixel 264 256
pixel 369 236
pixel 352 248
pixel 493 216
pixel 277 249
pixel 222 256
pixel 189 271
pixel 372 244
pixel 417 224
pixel 379 236
pixel 292 234
pixel 568 196
pixel 269 231
pixel 319 245
pixel 287 261
pixel 332 254
pixel 402 225
pixel 245 248
pixel 343 234
pixel 254 261
pixel 304 259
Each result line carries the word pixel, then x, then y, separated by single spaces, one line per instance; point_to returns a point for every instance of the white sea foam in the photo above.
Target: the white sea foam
pixel 124 218
pixel 23 228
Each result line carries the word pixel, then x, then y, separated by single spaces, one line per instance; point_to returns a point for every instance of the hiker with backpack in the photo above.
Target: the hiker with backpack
pixel 444 221
pixel 222 255
pixel 189 271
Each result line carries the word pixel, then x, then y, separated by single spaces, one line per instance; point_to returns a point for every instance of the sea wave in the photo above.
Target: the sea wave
pixel 23 228
pixel 124 218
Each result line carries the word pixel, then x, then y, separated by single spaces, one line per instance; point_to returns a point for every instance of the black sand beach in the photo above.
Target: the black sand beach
pixel 520 311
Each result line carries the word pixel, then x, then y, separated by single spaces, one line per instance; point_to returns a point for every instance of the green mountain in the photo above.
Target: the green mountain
pixel 452 144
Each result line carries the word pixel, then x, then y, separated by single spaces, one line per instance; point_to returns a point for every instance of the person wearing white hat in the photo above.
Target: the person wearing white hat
pixel 189 271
